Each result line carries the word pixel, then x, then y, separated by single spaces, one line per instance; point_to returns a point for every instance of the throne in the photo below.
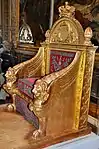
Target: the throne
pixel 52 90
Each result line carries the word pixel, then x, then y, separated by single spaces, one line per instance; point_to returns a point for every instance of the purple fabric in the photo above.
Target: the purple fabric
pixel 22 108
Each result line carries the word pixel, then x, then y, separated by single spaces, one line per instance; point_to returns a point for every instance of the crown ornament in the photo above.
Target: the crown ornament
pixel 66 10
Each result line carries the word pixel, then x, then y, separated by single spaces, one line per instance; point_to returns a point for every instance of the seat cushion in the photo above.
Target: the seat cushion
pixel 26 86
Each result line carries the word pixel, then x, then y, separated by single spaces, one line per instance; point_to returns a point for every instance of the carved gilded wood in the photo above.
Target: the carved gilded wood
pixel 61 99
pixel 86 88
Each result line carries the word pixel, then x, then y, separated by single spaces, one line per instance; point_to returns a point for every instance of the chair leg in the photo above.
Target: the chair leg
pixel 11 107
pixel 42 129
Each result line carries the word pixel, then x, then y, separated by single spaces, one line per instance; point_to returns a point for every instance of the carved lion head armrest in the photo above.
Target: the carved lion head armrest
pixel 30 68
pixel 10 77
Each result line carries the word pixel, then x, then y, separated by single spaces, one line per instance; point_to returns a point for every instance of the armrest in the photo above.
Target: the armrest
pixel 31 68
pixel 53 81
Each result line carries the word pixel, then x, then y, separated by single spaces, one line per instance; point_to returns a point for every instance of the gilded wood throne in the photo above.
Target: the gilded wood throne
pixel 52 90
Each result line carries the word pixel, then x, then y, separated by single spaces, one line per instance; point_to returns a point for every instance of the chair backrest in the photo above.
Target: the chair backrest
pixel 65 33
pixel 70 55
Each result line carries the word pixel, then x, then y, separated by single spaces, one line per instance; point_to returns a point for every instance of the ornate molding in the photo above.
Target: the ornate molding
pixel 90 54
pixel 86 87
pixel 79 87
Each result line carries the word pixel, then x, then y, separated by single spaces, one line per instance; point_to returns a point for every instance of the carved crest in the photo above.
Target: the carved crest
pixel 66 29
pixel 64 33
pixel 66 10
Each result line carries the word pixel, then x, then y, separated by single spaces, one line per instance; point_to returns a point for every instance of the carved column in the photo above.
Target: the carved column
pixel 4 18
pixel 9 21
pixel 14 21
pixel 87 86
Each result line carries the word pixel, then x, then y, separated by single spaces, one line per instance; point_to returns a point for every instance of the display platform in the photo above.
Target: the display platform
pixel 14 137
pixel 87 142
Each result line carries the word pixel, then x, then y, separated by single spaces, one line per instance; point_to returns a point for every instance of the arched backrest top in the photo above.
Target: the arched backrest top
pixel 66 29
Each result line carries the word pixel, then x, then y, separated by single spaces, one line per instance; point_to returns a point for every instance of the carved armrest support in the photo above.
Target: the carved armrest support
pixel 12 74
pixel 10 77
pixel 29 68
pixel 41 94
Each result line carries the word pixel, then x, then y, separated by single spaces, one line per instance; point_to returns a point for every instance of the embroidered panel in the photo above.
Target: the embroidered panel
pixel 60 59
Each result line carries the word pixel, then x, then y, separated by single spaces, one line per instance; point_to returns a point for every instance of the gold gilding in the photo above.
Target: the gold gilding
pixel 61 99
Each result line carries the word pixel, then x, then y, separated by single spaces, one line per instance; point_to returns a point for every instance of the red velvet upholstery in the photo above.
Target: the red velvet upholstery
pixel 60 59
pixel 26 86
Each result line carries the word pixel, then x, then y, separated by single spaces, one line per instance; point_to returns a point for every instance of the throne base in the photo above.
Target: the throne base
pixel 17 133
pixel 48 141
